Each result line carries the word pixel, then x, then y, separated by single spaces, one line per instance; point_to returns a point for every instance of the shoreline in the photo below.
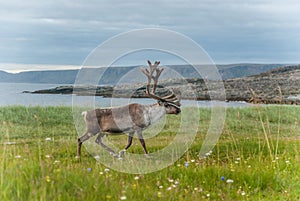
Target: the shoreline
pixel 130 92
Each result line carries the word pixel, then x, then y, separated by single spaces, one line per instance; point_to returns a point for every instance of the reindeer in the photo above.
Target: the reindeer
pixel 132 118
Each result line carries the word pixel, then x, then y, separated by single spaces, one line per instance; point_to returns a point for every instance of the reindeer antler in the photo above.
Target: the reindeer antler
pixel 153 68
pixel 172 98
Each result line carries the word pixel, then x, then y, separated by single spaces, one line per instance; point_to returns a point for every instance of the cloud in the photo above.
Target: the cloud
pixel 64 32
pixel 16 68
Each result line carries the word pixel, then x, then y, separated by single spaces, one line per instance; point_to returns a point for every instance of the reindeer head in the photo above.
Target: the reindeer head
pixel 170 102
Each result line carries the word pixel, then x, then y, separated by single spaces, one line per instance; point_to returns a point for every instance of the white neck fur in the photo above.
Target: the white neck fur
pixel 155 113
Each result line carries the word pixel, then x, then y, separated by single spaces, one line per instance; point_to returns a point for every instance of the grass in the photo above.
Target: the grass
pixel 256 158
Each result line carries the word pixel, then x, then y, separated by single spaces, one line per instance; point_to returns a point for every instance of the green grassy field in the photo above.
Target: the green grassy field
pixel 256 158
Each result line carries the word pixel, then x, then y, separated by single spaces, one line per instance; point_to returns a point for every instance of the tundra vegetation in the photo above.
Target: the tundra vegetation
pixel 256 158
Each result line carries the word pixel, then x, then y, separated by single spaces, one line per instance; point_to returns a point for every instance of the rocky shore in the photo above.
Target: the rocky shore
pixel 278 86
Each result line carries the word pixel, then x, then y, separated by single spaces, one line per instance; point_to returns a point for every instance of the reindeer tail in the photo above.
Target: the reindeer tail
pixel 84 113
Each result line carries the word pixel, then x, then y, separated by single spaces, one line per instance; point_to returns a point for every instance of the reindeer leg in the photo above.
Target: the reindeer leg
pixel 83 138
pixel 142 141
pixel 130 137
pixel 99 141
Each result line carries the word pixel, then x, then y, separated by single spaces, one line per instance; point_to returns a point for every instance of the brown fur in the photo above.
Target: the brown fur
pixel 132 118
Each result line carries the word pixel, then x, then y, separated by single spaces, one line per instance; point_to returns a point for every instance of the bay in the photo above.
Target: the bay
pixel 12 94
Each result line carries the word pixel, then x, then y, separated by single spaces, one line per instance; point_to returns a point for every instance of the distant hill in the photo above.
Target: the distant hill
pixel 280 71
pixel 5 77
pixel 244 70
pixel 113 75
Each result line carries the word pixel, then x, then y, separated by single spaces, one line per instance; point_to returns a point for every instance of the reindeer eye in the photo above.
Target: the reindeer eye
pixel 167 105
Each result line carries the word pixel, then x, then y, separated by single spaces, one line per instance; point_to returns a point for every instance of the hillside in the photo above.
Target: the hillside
pixel 113 75
pixel 275 86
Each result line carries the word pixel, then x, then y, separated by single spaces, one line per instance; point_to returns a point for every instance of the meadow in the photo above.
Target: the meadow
pixel 256 158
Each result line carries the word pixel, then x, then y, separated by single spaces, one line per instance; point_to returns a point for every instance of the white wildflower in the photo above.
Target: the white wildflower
pixel 171 180
pixel 229 181
pixel 9 143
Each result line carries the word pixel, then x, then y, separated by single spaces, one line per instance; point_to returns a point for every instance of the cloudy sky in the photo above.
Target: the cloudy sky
pixel 60 34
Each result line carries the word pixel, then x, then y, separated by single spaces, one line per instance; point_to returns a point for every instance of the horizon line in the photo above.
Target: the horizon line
pixel 19 68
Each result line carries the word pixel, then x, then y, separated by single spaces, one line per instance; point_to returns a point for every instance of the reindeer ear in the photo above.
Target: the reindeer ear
pixel 157 62
pixel 149 62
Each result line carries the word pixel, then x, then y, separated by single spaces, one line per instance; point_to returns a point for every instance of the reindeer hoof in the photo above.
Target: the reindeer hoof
pixel 148 156
pixel 121 153
pixel 113 154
